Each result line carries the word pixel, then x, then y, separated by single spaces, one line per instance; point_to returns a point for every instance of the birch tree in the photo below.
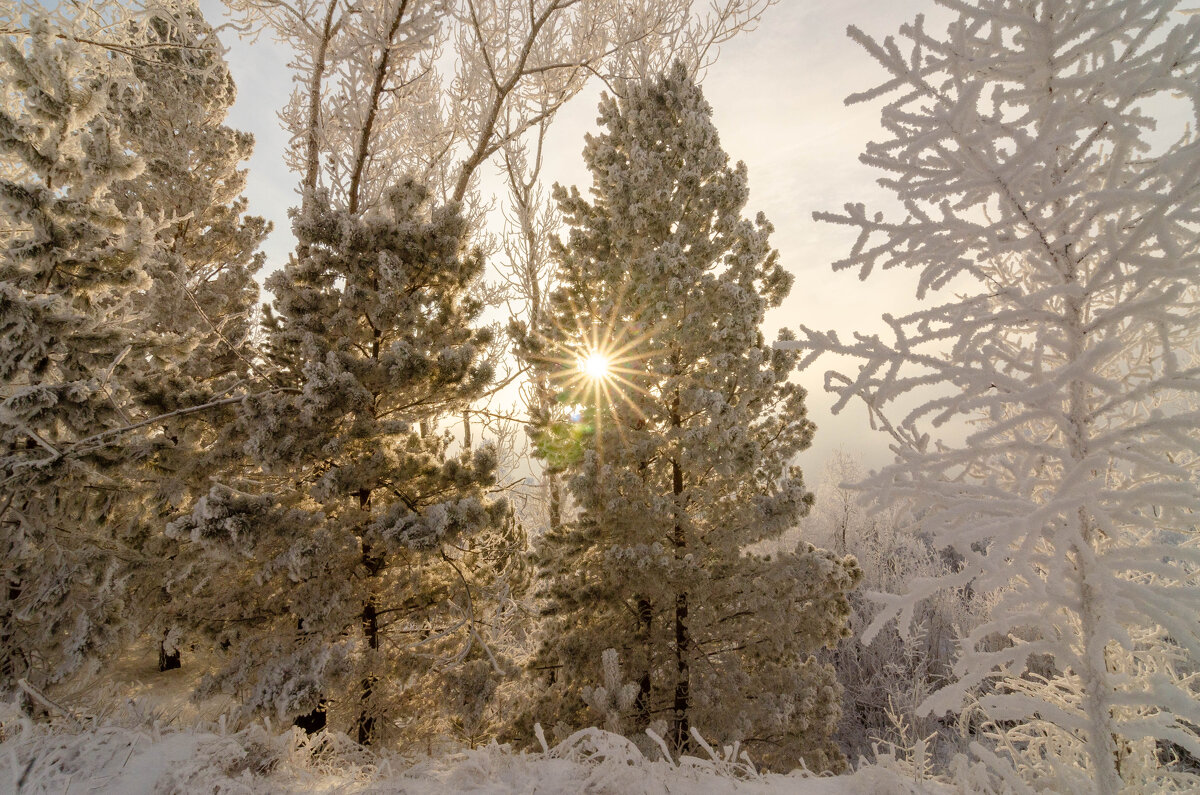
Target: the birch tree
pixel 372 93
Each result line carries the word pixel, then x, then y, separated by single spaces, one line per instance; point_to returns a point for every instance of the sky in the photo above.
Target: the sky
pixel 777 96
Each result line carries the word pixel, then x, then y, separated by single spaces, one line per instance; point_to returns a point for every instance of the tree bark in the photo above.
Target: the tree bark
pixel 1105 746
pixel 311 143
pixel 314 721
pixel 555 487
pixel 361 150
pixel 12 660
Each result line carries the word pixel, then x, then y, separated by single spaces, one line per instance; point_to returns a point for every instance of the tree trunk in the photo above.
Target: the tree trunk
pixel 12 665
pixel 642 704
pixel 366 721
pixel 370 624
pixel 314 721
pixel 1104 745
pixel 555 487
pixel 167 660
pixel 312 123
pixel 681 729
pixel 362 149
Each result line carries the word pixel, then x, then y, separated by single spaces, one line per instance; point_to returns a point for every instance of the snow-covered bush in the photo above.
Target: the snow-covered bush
pixel 131 758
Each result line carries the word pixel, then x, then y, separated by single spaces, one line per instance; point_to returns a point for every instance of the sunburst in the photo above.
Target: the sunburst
pixel 601 362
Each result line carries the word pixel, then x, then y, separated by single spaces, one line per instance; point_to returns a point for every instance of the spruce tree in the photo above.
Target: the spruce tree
pixel 680 455
pixel 346 580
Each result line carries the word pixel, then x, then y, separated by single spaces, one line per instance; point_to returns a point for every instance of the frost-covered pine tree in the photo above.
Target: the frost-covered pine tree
pixel 69 263
pixel 689 458
pixel 345 582
pixel 201 305
pixel 1047 198
pixel 204 296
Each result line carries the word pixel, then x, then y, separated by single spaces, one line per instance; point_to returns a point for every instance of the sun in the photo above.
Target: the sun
pixel 595 366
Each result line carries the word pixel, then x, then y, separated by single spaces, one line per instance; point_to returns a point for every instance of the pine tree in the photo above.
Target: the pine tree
pixel 348 577
pixel 681 457
pixel 69 262
pixel 204 295
pixel 201 305
pixel 1039 194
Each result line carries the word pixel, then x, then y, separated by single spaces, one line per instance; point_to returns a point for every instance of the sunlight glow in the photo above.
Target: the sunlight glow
pixel 595 366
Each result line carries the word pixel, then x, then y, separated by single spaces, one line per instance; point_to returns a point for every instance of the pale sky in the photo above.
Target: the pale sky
pixel 777 95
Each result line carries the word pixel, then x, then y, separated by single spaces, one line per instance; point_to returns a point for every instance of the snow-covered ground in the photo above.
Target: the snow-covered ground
pixel 117 759
pixel 126 762
pixel 128 729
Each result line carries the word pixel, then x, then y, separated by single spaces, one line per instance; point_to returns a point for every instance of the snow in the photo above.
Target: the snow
pixel 113 760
